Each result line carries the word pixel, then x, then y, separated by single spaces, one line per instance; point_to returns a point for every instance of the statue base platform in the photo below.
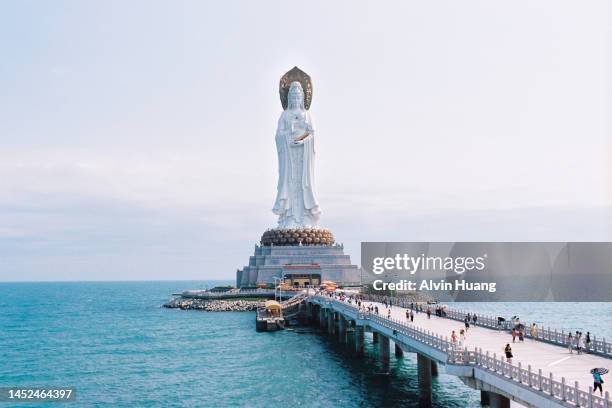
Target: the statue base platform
pixel 297 236
pixel 299 257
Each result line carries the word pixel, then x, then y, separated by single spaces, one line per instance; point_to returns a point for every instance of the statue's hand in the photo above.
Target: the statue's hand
pixel 301 138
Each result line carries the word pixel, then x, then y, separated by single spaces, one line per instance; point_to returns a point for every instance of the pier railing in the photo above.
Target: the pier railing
pixel 529 378
pixel 550 335
pixel 525 377
pixel 296 300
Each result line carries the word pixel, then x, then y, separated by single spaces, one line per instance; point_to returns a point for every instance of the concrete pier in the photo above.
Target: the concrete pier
pixel 342 325
pixel 384 350
pixel 485 398
pixel 498 401
pixel 479 367
pixel 359 340
pixel 424 374
pixel 321 317
pixel 398 351
pixel 330 321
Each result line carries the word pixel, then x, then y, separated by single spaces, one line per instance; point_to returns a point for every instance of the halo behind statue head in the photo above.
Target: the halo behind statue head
pixel 295 74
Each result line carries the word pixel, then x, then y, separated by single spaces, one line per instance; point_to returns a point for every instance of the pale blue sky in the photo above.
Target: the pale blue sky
pixel 137 137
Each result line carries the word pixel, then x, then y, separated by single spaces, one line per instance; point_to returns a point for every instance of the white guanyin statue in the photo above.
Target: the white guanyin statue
pixel 296 203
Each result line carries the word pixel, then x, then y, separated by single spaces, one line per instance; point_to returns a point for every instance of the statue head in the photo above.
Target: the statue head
pixel 295 74
pixel 295 96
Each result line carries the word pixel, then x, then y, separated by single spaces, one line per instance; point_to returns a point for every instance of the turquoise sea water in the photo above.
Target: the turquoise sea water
pixel 119 348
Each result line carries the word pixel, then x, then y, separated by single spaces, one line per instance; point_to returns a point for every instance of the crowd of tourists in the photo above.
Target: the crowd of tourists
pixel 579 342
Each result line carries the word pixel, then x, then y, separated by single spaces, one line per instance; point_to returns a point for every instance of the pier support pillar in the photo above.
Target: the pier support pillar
pixel 374 337
pixel 330 321
pixel 498 401
pixel 398 351
pixel 321 317
pixel 359 340
pixel 424 374
pixel 312 310
pixel 485 398
pixel 383 349
pixel 434 369
pixel 342 327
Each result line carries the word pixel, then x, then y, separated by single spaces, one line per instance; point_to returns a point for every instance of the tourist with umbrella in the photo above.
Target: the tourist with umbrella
pixel 597 380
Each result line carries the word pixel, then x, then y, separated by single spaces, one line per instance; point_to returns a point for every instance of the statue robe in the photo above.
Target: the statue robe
pixel 296 208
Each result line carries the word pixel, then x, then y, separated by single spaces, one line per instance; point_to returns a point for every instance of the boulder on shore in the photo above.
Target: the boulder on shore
pixel 208 305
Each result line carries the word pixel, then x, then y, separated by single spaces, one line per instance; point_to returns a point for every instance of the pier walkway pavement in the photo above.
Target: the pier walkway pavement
pixel 543 373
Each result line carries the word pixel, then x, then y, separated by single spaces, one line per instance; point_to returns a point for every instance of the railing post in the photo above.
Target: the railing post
pixel 540 379
pixel 607 400
pixel 590 400
pixel 563 337
pixel 550 379
pixel 577 393
pixel 529 375
pixel 563 389
pixel 520 377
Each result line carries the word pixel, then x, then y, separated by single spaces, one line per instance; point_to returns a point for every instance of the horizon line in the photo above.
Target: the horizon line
pixel 112 281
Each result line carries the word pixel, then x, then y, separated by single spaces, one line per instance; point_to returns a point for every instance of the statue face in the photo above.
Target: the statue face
pixel 295 96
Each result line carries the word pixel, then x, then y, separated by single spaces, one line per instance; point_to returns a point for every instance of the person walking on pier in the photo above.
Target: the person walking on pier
pixel 454 340
pixel 521 334
pixel 461 338
pixel 474 319
pixel 407 315
pixel 580 343
pixel 570 343
pixel 411 316
pixel 533 331
pixel 429 312
pixel 513 334
pixel 597 381
pixel 508 351
pixel 588 341
pixel 388 313
pixel 467 322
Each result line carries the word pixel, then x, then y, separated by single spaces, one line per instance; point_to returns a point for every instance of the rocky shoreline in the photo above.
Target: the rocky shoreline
pixel 208 305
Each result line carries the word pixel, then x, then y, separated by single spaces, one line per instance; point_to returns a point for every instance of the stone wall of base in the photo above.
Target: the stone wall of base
pixel 268 263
